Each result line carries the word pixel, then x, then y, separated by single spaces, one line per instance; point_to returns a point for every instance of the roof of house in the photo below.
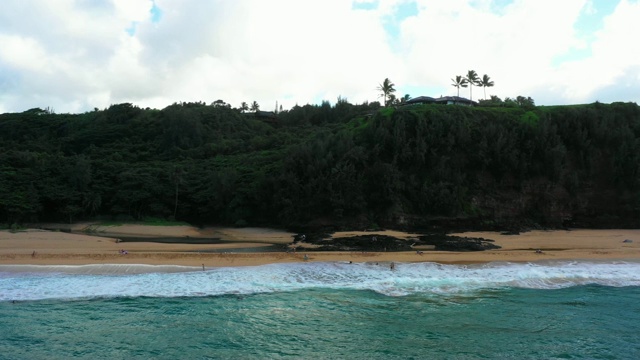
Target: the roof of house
pixel 454 99
pixel 440 100
pixel 421 100
pixel 266 114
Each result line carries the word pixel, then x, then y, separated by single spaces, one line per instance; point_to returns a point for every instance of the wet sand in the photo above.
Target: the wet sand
pixel 39 247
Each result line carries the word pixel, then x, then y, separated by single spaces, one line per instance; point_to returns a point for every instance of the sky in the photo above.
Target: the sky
pixel 72 56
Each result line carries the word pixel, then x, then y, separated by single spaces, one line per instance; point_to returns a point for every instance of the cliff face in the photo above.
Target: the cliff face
pixel 549 206
pixel 506 168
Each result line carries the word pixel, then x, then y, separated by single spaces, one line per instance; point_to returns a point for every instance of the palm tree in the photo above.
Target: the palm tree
pixel 472 79
pixel 244 106
pixel 254 106
pixel 459 82
pixel 392 100
pixel 387 89
pixel 486 82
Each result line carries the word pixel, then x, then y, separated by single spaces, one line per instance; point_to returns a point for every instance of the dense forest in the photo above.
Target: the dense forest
pixel 344 165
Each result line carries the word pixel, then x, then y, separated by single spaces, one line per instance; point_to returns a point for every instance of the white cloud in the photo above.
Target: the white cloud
pixel 58 53
pixel 613 61
pixel 23 54
pixel 286 51
pixel 515 47
pixel 76 55
pixel 589 8
pixel 133 10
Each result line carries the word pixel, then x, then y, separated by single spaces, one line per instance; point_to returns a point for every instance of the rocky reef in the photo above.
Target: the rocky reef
pixel 375 242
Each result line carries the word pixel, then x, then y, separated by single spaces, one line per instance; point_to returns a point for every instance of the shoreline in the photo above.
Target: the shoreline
pixel 40 247
pixel 136 269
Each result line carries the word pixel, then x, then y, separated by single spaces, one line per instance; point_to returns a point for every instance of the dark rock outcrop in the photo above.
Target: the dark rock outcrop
pixel 457 243
pixel 374 242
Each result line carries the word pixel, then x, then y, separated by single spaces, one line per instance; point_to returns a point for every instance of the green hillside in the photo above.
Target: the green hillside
pixel 345 165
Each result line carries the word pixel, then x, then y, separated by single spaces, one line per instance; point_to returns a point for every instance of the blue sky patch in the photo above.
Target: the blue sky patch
pixel 498 6
pixel 572 55
pixel 592 18
pixel 392 23
pixel 131 30
pixel 371 5
pixel 156 13
pixel 406 9
pixel 590 21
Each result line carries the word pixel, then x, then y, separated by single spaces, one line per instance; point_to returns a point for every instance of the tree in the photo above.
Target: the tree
pixel 220 103
pixel 472 79
pixel 486 82
pixel 255 106
pixel 177 179
pixel 525 102
pixel 492 101
pixel 244 107
pixel 392 100
pixel 459 82
pixel 387 88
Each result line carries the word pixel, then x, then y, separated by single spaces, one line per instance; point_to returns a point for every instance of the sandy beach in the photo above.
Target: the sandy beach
pixel 43 247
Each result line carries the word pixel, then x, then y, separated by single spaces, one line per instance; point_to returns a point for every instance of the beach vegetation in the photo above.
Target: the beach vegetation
pixel 154 221
pixel 149 220
pixel 15 227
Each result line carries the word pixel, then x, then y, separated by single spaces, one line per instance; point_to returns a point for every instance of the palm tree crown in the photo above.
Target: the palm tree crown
pixel 486 82
pixel 472 79
pixel 459 82
pixel 387 89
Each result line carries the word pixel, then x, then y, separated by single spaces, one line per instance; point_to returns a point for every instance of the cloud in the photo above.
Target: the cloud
pixel 60 54
pixel 513 46
pixel 611 65
pixel 287 51
pixel 133 10
pixel 74 55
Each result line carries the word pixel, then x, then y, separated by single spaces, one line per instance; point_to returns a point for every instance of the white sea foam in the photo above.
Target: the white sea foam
pixel 72 282
pixel 96 269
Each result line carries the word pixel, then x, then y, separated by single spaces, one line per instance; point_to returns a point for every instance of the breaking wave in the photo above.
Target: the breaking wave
pixel 30 282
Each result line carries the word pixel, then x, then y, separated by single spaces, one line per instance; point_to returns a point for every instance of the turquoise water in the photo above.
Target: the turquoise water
pixel 572 310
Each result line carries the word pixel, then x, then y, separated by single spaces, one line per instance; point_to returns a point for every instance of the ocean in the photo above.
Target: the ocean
pixel 546 310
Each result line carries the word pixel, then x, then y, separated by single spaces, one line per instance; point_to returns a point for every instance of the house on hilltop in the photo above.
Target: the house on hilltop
pixel 421 100
pixel 266 116
pixel 443 100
